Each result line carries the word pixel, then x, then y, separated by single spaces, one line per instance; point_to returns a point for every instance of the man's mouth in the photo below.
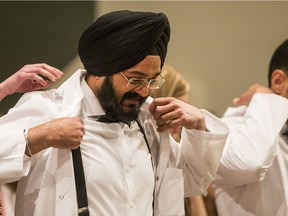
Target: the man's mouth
pixel 130 101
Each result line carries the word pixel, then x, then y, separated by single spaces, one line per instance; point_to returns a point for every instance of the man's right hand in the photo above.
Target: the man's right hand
pixel 62 133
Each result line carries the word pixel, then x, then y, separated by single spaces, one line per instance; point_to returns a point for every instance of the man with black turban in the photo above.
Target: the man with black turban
pixel 126 162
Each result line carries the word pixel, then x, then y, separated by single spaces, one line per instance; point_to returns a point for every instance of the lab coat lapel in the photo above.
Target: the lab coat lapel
pixel 72 95
pixel 60 160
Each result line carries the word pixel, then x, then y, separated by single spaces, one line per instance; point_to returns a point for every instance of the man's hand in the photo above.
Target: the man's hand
pixel 246 97
pixel 62 133
pixel 169 112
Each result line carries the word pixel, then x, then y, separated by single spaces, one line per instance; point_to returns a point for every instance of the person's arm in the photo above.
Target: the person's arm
pixel 62 133
pixel 252 143
pixel 202 140
pixel 169 112
pixel 36 113
pixel 246 97
pixel 29 78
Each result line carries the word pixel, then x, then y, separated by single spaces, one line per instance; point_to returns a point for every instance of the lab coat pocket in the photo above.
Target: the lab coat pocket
pixel 171 195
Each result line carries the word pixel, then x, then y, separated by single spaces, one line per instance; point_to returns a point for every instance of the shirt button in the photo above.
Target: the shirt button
pixel 157 178
pixel 61 197
pixel 132 205
pixel 128 168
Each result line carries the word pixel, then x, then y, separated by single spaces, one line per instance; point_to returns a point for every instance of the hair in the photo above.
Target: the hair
pixel 175 85
pixel 279 60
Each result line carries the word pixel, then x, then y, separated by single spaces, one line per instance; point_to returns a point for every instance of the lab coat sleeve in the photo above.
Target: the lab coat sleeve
pixel 251 145
pixel 13 161
pixel 201 152
pixel 31 110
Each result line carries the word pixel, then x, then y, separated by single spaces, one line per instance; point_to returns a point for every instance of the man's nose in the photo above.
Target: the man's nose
pixel 143 90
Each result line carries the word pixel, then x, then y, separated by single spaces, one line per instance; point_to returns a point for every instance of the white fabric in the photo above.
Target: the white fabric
pixel 13 161
pixel 49 188
pixel 252 176
pixel 115 155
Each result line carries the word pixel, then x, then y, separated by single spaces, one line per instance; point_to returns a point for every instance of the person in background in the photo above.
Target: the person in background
pixel 127 163
pixel 29 78
pixel 25 80
pixel 252 178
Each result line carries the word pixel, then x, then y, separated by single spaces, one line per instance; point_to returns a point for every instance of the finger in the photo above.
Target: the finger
pixel 56 72
pixel 35 73
pixel 40 86
pixel 163 128
pixel 33 68
pixel 168 117
pixel 152 107
pixel 42 70
pixel 161 111
pixel 158 102
pixel 47 74
pixel 37 79
pixel 168 125
pixel 243 100
pixel 236 101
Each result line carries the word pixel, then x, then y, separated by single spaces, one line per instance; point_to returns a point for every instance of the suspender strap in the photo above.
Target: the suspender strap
pixel 83 209
pixel 144 135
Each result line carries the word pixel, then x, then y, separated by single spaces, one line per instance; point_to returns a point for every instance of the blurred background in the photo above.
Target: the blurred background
pixel 221 47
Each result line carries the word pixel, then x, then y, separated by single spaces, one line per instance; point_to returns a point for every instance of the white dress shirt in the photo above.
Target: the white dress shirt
pixel 117 164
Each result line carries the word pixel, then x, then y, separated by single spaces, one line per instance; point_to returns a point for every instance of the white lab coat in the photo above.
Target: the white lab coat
pixel 252 176
pixel 49 188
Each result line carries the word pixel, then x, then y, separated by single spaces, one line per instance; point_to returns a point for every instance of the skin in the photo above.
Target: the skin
pixel 27 79
pixel 63 133
pixel 59 133
pixel 168 112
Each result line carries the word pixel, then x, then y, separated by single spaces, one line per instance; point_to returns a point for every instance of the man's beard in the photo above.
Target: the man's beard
pixel 113 104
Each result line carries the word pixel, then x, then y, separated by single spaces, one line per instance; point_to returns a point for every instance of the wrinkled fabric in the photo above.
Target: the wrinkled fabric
pixel 120 39
pixel 49 189
pixel 252 178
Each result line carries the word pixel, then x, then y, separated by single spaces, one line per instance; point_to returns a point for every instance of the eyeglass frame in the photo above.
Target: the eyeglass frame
pixel 146 82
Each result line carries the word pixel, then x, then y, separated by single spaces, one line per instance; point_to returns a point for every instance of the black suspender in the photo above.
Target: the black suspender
pixel 83 209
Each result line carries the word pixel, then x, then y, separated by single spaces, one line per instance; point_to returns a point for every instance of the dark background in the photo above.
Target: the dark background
pixel 37 32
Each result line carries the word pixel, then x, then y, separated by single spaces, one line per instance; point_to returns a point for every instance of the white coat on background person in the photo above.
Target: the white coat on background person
pixel 49 188
pixel 252 177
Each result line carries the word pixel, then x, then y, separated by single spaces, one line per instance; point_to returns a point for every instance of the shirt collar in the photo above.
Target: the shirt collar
pixel 90 103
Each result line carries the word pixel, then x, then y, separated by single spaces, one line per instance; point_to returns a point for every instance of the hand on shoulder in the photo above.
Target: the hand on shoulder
pixel 246 97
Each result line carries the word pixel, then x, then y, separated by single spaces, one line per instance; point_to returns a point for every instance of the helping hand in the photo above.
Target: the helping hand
pixel 27 78
pixel 246 97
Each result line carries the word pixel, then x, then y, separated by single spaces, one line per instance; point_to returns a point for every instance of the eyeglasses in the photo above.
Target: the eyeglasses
pixel 150 83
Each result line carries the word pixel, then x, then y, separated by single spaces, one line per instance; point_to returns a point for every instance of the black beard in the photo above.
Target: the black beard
pixel 114 106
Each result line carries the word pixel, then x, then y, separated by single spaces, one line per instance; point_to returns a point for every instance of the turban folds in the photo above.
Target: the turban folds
pixel 121 39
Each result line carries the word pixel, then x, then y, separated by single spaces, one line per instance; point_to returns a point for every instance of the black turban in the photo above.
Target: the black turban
pixel 119 40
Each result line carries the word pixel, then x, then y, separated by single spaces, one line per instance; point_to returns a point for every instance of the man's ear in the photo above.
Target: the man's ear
pixel 278 79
